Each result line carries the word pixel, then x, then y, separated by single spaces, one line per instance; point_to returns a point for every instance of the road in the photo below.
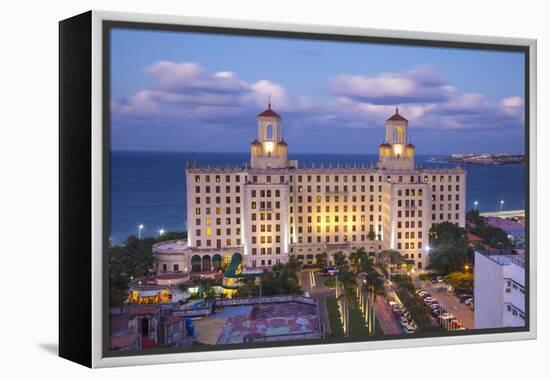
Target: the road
pixel 312 282
pixel 386 317
pixel 449 302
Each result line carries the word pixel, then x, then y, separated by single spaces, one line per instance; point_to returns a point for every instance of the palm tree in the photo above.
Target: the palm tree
pixel 387 257
pixel 340 260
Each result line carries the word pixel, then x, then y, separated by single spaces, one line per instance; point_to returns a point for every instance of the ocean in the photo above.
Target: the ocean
pixel 149 188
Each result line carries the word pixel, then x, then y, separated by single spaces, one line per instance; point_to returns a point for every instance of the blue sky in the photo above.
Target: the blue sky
pixel 177 91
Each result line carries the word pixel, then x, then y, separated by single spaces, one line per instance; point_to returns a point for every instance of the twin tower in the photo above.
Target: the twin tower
pixel 269 150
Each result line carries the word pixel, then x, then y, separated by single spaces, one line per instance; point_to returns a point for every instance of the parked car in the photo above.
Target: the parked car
pixel 434 280
pixel 408 329
pixel 469 301
pixel 439 279
pixel 464 297
pixel 395 307
pixel 434 306
pixel 330 270
pixel 403 320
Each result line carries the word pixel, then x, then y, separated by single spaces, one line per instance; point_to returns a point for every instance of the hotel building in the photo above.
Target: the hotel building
pixel 274 208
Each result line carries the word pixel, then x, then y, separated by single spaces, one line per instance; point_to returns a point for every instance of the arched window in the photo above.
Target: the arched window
pixel 269 132
pixel 397 135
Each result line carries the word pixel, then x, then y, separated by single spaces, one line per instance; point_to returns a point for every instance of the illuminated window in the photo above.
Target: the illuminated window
pixel 208 231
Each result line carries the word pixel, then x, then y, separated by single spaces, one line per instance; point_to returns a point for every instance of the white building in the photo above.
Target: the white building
pixel 274 208
pixel 499 291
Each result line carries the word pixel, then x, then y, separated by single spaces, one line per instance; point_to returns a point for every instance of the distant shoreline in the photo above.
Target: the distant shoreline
pixel 482 159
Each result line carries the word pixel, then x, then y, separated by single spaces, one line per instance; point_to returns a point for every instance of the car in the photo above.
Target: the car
pixel 469 301
pixel 439 279
pixel 330 271
pixel 403 320
pixel 429 300
pixel 408 329
pixel 434 280
pixel 434 306
pixel 423 293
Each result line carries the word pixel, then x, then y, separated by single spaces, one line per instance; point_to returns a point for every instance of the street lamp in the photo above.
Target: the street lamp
pixel 501 204
pixel 161 231
pixel 466 267
pixel 140 227
pixel 475 205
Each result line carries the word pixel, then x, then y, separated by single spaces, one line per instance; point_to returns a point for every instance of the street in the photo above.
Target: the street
pixel 448 301
pixel 312 283
pixel 386 317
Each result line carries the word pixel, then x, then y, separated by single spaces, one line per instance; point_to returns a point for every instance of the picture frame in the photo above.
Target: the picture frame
pixel 85 106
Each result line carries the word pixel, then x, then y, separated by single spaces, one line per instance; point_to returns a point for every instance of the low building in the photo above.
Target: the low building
pixel 499 290
pixel 148 326
pixel 144 321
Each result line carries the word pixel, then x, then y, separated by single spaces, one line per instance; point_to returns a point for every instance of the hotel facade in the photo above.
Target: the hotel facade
pixel 273 208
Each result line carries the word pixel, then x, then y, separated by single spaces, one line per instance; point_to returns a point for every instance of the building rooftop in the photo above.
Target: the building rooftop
pixel 397 116
pixel 144 310
pixel 269 112
pixel 518 260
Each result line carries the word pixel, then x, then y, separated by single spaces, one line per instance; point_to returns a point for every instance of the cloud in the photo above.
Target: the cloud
pixel 418 85
pixel 188 95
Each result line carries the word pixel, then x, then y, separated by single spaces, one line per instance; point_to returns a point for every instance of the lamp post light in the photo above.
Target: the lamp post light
pixel 475 205
pixel 501 204
pixel 140 227
pixel 161 231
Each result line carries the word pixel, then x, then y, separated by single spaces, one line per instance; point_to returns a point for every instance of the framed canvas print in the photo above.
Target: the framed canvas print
pixel 234 189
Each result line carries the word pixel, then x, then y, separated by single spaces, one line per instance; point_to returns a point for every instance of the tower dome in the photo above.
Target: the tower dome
pixel 385 150
pixel 409 150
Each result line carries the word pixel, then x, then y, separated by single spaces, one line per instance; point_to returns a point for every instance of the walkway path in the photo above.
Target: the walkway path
pixel 312 283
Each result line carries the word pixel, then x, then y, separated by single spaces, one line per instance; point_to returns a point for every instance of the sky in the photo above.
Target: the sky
pixel 180 91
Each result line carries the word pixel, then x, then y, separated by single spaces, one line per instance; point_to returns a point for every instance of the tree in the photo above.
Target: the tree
pixel 474 219
pixel 371 235
pixel 322 260
pixel 460 280
pixel 340 260
pixel 495 237
pixel 449 248
pixel 282 279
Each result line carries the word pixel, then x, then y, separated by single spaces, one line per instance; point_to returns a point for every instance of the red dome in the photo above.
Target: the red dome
pixel 397 116
pixel 269 113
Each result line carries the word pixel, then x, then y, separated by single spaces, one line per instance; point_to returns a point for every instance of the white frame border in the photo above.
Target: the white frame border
pixel 97 187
